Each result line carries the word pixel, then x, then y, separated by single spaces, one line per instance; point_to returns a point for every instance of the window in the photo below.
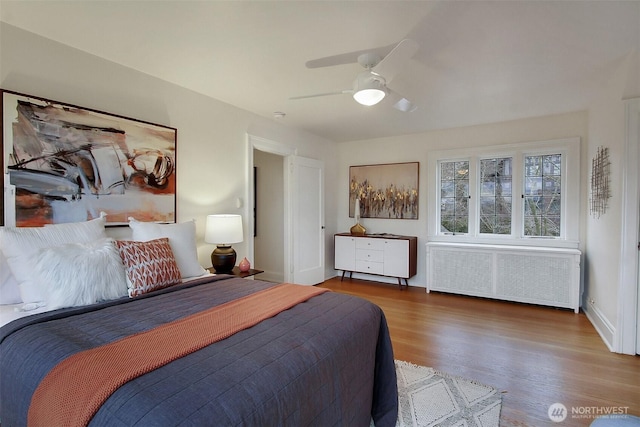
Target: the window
pixel 542 195
pixel 454 197
pixel 495 194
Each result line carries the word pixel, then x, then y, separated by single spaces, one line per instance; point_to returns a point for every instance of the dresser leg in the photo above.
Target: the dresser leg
pixel 406 283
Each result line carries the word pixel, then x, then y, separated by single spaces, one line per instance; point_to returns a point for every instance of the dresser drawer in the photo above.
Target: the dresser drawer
pixel 369 267
pixel 369 255
pixel 373 244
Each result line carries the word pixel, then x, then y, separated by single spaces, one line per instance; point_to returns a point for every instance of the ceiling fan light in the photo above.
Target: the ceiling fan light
pixel 369 89
pixel 369 97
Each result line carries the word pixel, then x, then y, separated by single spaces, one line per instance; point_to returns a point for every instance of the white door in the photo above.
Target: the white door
pixel 627 338
pixel 638 294
pixel 637 142
pixel 307 184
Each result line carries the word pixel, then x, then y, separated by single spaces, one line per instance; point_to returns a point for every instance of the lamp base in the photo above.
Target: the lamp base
pixel 223 258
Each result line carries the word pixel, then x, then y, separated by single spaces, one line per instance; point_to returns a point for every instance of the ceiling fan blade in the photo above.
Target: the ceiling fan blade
pixel 348 58
pixel 394 62
pixel 405 106
pixel 401 103
pixel 342 92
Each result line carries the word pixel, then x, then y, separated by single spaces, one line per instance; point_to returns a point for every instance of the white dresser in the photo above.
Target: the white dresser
pixel 379 254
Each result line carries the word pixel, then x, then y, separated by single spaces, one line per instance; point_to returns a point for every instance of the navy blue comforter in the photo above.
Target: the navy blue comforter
pixel 324 362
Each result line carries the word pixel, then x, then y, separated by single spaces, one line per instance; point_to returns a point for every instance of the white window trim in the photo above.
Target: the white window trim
pixel 570 226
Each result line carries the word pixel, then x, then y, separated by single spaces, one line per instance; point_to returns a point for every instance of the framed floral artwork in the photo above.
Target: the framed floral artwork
pixel 385 190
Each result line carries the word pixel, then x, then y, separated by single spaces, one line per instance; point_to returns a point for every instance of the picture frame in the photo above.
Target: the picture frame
pixel 65 163
pixel 389 191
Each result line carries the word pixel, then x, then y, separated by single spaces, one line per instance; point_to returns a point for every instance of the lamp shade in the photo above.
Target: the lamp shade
pixel 223 229
pixel 369 89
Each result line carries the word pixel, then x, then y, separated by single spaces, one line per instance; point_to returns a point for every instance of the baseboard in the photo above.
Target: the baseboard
pixel 604 328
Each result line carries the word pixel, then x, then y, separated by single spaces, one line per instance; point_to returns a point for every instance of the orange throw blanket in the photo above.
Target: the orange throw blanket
pixel 73 391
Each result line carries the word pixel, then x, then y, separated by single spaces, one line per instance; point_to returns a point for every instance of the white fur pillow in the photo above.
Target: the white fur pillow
pixel 20 243
pixel 80 273
pixel 9 289
pixel 182 238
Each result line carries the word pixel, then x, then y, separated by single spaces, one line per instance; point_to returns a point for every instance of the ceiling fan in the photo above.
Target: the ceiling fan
pixel 371 86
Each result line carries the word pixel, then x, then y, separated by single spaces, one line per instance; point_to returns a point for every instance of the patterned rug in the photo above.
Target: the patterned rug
pixel 431 398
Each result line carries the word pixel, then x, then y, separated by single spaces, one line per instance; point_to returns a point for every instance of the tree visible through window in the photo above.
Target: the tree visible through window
pixel 454 197
pixel 542 195
pixel 495 195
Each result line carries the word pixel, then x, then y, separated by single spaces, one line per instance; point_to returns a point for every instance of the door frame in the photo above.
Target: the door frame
pixel 280 149
pixel 627 335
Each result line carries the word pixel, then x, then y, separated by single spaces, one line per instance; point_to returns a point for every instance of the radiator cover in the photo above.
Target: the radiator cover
pixel 535 275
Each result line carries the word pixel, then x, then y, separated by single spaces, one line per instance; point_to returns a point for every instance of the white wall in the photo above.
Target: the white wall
pixel 212 156
pixel 411 148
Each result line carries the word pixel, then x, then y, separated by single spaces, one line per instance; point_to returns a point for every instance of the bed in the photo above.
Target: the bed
pixel 326 360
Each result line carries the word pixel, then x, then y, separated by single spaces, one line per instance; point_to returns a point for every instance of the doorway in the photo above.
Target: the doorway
pixel 300 210
pixel 262 182
pixel 269 215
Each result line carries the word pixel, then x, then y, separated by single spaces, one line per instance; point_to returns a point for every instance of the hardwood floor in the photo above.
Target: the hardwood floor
pixel 535 356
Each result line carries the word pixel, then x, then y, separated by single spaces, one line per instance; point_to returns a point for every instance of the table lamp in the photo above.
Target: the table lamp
pixel 223 230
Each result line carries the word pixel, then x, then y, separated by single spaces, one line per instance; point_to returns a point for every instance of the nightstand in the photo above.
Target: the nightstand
pixel 236 272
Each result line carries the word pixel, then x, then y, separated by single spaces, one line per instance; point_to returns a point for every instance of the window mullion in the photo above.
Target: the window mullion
pixel 474 196
pixel 517 216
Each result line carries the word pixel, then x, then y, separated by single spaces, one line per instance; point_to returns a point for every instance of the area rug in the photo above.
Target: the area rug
pixel 431 398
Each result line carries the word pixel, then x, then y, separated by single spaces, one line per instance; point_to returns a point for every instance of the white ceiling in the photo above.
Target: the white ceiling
pixel 478 62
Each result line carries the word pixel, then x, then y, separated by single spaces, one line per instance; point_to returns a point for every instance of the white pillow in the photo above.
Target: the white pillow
pixel 80 273
pixel 19 244
pixel 9 289
pixel 182 238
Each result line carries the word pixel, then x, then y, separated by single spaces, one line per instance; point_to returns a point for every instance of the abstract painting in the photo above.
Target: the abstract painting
pixel 385 191
pixel 64 163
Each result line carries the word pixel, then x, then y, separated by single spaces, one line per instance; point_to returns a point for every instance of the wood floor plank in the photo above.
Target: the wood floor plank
pixel 535 356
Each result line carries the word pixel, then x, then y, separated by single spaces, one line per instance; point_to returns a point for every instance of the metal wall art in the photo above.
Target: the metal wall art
pixel 600 191
pixel 385 191
pixel 64 163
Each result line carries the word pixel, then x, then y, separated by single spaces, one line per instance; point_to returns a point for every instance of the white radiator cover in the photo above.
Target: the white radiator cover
pixel 535 275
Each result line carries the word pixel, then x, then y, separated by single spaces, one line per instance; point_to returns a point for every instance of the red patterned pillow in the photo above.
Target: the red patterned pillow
pixel 149 265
